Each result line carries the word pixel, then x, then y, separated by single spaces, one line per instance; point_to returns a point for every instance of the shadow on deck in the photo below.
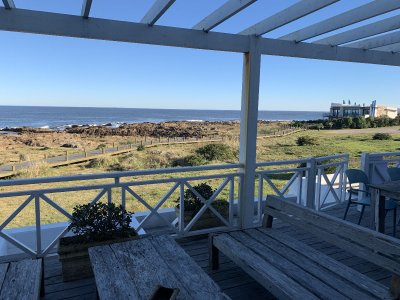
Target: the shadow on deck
pixel 234 282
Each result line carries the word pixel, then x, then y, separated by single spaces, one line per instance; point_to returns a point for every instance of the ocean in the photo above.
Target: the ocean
pixel 62 117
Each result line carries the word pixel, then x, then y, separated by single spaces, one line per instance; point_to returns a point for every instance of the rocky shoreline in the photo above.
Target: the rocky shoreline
pixel 172 129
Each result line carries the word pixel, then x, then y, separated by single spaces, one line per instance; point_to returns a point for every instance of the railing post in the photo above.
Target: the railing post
pixel 38 227
pixel 311 184
pixel 181 208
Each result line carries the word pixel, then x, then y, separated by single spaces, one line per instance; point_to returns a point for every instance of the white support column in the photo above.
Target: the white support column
pixel 248 131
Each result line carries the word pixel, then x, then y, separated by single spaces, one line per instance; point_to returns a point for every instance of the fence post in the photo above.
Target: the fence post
pixel 103 150
pixel 310 178
pixel 66 156
pixel 13 168
pixel 86 154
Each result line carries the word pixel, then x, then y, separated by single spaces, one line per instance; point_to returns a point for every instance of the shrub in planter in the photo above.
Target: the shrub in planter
pixel 193 204
pixel 93 225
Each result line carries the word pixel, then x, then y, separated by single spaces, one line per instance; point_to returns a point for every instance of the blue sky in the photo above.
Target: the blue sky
pixel 56 71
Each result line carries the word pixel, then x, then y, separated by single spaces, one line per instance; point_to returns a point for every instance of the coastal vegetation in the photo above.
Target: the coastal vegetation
pixel 271 148
pixel 359 122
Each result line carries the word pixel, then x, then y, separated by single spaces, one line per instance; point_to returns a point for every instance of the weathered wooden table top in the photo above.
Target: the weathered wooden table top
pixel 388 189
pixel 134 269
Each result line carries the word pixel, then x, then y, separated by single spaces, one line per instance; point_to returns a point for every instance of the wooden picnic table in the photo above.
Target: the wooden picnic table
pixel 134 269
pixel 378 194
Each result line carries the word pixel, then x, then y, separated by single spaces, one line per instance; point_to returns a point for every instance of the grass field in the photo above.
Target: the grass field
pixel 353 142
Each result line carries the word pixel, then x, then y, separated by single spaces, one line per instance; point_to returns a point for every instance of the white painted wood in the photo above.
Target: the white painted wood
pixel 248 131
pixel 290 14
pixel 376 42
pixel 156 11
pixel 86 5
pixel 27 21
pixel 389 48
pixel 8 4
pixel 361 13
pixel 227 10
pixel 324 52
pixel 361 32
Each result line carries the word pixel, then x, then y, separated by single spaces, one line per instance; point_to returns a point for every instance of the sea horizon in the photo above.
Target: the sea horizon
pixel 58 117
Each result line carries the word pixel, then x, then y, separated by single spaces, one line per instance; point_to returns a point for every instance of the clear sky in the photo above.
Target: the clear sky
pixel 58 71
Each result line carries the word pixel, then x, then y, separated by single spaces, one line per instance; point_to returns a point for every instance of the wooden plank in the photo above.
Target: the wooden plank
pixel 305 278
pixel 359 250
pixel 364 236
pixel 3 271
pixel 329 263
pixel 22 280
pixel 264 273
pixel 332 279
pixel 188 273
pixel 105 266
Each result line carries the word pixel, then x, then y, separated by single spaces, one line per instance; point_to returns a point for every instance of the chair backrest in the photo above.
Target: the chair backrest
pixel 357 176
pixel 394 174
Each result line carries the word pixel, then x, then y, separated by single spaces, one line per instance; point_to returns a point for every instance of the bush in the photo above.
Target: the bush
pixel 140 148
pixel 192 202
pixel 382 136
pixel 305 140
pixel 100 222
pixel 101 146
pixel 215 152
pixel 189 161
pixel 103 162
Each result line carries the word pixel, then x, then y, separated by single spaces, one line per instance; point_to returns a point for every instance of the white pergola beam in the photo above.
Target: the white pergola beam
pixel 362 32
pixel 361 13
pixel 86 6
pixel 8 4
pixel 324 52
pixel 390 48
pixel 223 13
pixel 376 42
pixel 27 21
pixel 290 14
pixel 156 11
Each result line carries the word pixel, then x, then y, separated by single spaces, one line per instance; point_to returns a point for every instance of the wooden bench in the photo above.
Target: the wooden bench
pixel 21 279
pixel 290 269
pixel 134 269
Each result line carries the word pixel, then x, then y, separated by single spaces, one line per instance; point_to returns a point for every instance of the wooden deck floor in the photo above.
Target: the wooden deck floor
pixel 230 278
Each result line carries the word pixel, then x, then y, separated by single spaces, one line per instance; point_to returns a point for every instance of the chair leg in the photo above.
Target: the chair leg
pixel 361 214
pixel 347 210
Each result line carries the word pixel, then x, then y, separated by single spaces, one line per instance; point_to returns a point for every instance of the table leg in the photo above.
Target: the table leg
pixel 378 203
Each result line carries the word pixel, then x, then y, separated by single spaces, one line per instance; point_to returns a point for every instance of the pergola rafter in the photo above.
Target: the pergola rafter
pixel 361 13
pixel 290 14
pixel 86 6
pixel 376 42
pixel 362 32
pixel 156 11
pixel 229 9
pixel 8 4
pixel 378 48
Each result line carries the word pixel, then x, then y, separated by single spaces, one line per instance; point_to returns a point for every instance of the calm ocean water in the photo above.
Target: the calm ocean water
pixel 60 117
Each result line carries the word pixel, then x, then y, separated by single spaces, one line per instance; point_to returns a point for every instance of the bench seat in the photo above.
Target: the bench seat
pixel 21 280
pixel 290 269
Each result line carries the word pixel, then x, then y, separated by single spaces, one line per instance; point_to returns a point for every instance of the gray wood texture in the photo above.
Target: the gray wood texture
pixel 375 247
pixel 138 267
pixel 21 280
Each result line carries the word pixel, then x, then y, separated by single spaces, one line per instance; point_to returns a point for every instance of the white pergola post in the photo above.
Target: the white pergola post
pixel 248 131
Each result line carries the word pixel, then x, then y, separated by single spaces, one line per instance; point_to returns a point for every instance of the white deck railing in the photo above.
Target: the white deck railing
pixel 305 179
pixel 376 164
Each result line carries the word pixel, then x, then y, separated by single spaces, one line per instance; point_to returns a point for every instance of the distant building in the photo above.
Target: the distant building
pixel 340 110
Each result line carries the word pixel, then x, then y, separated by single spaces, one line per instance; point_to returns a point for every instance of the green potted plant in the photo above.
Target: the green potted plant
pixel 192 205
pixel 93 225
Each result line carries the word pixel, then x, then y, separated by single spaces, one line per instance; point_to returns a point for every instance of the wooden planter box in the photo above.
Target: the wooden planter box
pixel 207 220
pixel 74 258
